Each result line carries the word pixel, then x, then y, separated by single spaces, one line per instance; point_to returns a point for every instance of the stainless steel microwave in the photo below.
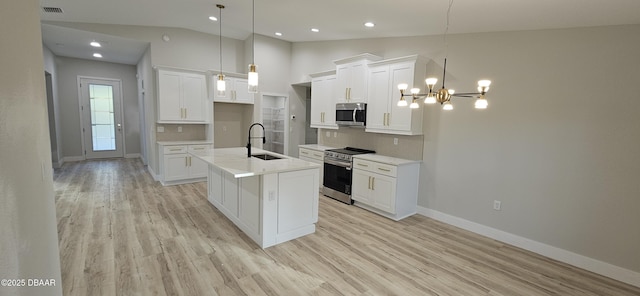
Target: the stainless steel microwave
pixel 351 114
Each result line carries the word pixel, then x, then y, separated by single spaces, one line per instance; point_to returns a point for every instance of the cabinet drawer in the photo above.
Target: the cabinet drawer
pixel 310 153
pixel 375 167
pixel 175 149
pixel 199 147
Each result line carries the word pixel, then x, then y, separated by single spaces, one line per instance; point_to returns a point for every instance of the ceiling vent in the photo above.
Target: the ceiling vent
pixel 52 10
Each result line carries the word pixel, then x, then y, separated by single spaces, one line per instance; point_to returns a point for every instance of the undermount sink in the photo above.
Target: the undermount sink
pixel 265 156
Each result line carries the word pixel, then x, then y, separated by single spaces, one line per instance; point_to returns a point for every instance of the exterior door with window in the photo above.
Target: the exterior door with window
pixel 102 129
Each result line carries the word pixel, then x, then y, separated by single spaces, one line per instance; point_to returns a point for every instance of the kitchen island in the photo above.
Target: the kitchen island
pixel 272 201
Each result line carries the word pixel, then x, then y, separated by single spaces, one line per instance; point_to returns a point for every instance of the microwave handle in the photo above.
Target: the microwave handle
pixel 354 114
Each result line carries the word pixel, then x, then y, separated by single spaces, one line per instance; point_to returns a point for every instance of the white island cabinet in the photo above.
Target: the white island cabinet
pixel 272 201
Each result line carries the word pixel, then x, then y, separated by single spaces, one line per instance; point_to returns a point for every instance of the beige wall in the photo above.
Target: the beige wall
pixel 231 126
pixel 54 123
pixel 68 71
pixel 408 147
pixel 557 145
pixel 190 132
pixel 29 243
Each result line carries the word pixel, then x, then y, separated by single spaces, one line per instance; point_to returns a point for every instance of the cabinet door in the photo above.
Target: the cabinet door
pixel 230 188
pixel 249 204
pixel 361 187
pixel 169 105
pixel 400 117
pixel 197 168
pixel 343 77
pixel 323 102
pixel 175 167
pixel 194 97
pixel 383 190
pixel 379 92
pixel 358 83
pixel 241 89
pixel 215 186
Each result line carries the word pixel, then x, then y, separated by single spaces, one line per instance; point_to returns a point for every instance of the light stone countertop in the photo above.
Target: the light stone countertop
pixel 236 162
pixel 386 159
pixel 316 147
pixel 196 142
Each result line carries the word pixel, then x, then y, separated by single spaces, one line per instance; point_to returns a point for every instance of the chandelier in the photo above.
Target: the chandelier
pixel 443 96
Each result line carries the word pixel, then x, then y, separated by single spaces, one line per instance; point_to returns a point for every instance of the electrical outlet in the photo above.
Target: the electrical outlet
pixel 335 134
pixel 179 129
pixel 224 128
pixel 497 205
pixel 161 129
pixel 395 141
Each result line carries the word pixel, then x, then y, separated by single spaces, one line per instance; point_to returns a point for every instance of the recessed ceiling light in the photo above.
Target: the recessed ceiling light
pixel 213 18
pixel 369 24
pixel 278 34
pixel 95 44
pixel 97 55
pixel 315 30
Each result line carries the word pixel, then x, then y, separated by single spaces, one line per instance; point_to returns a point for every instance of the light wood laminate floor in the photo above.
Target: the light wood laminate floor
pixel 121 233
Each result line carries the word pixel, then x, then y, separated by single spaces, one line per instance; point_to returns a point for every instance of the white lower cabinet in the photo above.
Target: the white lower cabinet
pixel 271 208
pixel 314 156
pixel 388 189
pixel 178 166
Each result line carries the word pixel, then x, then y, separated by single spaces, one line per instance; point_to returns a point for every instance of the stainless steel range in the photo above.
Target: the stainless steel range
pixel 337 172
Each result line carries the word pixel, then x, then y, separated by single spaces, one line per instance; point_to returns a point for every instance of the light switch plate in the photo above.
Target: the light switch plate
pixel 161 129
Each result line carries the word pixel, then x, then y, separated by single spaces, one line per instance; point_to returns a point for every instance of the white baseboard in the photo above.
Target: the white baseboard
pixel 72 158
pixel 132 155
pixel 153 174
pixel 590 264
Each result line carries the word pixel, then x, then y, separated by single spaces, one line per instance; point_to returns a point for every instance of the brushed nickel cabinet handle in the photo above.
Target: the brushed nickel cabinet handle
pixel 384 170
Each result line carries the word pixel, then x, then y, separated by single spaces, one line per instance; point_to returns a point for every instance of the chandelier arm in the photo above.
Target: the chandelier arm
pixel 466 95
pixel 420 96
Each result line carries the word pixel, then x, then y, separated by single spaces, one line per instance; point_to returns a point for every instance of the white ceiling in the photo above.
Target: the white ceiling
pixel 344 19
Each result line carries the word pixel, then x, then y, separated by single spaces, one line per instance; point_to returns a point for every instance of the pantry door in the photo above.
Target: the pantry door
pixel 101 117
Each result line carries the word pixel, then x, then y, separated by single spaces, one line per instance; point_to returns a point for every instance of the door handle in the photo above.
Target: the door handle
pixel 119 127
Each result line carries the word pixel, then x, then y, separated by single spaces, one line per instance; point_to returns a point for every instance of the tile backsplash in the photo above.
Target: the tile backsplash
pixel 408 147
pixel 190 132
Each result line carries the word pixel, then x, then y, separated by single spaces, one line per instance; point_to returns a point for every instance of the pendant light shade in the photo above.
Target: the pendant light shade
pixel 253 74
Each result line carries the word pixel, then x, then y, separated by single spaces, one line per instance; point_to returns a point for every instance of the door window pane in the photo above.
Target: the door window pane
pixel 103 129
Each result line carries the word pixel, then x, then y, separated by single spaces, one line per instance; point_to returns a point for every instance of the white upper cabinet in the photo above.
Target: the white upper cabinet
pixel 323 102
pixel 237 90
pixel 182 97
pixel 383 113
pixel 351 78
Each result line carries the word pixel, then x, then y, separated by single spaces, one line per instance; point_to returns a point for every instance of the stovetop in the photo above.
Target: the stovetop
pixel 344 154
pixel 351 151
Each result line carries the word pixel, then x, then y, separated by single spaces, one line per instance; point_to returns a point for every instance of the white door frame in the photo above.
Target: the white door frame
pixel 286 116
pixel 120 119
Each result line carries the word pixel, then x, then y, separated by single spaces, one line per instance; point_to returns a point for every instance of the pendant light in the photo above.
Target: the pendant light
pixel 443 96
pixel 253 75
pixel 221 84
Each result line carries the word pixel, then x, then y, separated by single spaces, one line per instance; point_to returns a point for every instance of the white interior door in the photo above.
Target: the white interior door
pixel 101 117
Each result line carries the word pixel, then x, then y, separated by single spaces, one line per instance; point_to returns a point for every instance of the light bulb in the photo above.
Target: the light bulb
pixel 452 91
pixel 221 86
pixel 415 91
pixel 481 103
pixel 403 86
pixel 402 103
pixel 414 105
pixel 431 81
pixel 430 99
pixel 484 83
pixel 253 79
pixel 447 106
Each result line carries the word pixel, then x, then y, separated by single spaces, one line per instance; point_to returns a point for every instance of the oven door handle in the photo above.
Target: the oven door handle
pixel 354 114
pixel 337 163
